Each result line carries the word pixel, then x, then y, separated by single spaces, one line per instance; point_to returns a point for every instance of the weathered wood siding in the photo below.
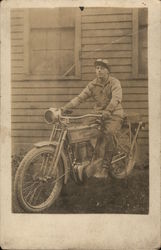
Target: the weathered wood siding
pixel 106 33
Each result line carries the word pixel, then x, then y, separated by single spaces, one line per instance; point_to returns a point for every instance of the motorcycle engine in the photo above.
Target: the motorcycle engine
pixel 84 151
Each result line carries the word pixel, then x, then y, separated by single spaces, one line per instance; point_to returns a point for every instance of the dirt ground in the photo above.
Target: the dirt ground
pixel 104 195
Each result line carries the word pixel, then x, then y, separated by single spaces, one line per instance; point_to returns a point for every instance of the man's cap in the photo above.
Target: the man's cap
pixel 102 62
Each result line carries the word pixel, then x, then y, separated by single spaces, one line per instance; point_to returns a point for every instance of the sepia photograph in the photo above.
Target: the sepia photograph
pixel 80 110
pixel 80 126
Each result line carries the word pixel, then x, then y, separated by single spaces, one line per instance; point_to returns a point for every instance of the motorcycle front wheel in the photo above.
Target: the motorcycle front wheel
pixel 37 186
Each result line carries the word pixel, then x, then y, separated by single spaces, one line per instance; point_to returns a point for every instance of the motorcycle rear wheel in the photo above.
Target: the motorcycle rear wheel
pixel 123 168
pixel 36 186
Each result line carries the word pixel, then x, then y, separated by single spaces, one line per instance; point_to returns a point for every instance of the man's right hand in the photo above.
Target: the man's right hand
pixel 66 111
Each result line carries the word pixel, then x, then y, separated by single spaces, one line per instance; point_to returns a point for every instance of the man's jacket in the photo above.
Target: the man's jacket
pixel 106 96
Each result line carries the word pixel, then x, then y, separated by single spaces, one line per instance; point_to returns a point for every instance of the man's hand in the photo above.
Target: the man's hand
pixel 106 114
pixel 66 111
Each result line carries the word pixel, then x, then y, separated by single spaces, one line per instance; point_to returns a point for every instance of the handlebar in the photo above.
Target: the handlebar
pixel 52 115
pixel 80 117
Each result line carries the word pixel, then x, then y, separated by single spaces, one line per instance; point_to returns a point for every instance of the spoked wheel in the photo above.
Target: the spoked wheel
pixel 37 185
pixel 123 163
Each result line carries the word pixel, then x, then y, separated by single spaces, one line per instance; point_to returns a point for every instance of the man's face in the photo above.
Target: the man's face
pixel 102 72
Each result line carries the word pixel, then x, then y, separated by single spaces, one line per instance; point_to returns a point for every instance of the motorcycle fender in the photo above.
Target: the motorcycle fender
pixel 64 158
pixel 44 143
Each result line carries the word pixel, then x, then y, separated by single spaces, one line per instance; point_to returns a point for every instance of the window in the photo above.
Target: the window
pixel 140 46
pixel 53 43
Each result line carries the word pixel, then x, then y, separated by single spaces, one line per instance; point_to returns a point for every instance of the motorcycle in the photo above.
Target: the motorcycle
pixel 48 166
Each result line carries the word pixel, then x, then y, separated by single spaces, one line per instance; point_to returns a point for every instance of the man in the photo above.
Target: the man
pixel 107 94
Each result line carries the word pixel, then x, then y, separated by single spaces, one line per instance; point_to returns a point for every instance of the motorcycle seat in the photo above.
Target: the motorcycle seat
pixel 132 118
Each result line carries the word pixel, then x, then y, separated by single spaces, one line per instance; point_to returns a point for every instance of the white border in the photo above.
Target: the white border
pixel 101 231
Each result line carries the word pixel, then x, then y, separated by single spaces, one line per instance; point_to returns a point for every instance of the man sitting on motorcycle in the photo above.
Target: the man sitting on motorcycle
pixel 106 92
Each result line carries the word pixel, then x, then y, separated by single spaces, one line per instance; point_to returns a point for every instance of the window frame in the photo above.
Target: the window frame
pixel 77 49
pixel 135 47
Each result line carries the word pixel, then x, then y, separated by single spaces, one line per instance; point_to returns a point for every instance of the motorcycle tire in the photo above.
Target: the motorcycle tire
pixel 36 186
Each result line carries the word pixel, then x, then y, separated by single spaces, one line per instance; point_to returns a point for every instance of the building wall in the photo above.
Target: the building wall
pixel 105 33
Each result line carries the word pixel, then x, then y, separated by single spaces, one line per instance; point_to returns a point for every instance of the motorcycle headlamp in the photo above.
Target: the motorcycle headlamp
pixel 52 115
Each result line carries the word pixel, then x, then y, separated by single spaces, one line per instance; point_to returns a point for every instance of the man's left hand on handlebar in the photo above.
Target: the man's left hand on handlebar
pixel 105 114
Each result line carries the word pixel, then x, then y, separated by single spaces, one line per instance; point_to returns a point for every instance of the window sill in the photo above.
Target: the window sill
pixel 36 77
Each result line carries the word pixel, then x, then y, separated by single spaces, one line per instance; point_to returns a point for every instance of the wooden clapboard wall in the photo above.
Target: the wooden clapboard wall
pixel 105 33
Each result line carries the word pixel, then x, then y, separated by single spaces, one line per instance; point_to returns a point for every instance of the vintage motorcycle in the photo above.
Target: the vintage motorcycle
pixel 47 167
